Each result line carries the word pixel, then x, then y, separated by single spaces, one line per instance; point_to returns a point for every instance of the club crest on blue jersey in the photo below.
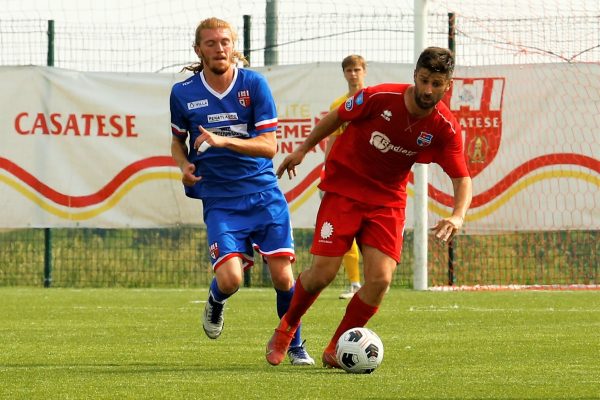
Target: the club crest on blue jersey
pixel 244 98
pixel 424 139
pixel 214 251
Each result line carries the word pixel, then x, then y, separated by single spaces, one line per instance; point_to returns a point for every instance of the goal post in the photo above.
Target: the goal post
pixel 420 170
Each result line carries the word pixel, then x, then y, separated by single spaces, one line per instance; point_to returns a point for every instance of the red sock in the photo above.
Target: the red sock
pixel 358 313
pixel 301 302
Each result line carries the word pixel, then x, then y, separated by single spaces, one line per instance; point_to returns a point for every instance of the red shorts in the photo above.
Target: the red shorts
pixel 341 219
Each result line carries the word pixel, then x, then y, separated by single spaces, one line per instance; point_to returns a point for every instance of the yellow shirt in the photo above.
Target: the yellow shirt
pixel 336 103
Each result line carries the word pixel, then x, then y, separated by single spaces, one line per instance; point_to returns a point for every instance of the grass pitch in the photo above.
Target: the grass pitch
pixel 148 344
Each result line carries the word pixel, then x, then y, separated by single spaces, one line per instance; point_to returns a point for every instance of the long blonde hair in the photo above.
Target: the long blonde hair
pixel 214 23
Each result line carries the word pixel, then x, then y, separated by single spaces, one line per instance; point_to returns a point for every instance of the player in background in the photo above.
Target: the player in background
pixel 392 126
pixel 354 68
pixel 229 117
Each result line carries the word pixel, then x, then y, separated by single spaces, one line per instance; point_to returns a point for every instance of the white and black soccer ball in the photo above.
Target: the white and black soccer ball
pixel 359 351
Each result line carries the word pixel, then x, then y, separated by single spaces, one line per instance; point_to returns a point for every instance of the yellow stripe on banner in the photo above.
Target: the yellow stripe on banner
pixel 522 185
pixel 80 216
pixel 305 196
pixel 433 207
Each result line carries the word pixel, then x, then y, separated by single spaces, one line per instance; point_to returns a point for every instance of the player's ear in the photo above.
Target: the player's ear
pixel 197 51
pixel 449 85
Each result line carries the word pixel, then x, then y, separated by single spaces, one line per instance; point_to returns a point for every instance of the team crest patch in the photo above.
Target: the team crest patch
pixel 359 98
pixel 244 98
pixel 214 251
pixel 424 139
pixel 349 103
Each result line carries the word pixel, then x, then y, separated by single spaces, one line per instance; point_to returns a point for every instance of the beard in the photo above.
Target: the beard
pixel 219 68
pixel 425 102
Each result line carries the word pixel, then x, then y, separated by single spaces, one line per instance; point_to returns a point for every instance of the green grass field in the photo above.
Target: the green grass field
pixel 148 344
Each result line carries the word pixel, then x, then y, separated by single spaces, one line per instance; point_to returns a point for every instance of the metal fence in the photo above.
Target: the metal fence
pixel 177 256
pixel 305 39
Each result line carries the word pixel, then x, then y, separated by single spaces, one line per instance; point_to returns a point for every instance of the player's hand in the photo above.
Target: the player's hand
pixel 188 178
pixel 447 228
pixel 289 164
pixel 207 139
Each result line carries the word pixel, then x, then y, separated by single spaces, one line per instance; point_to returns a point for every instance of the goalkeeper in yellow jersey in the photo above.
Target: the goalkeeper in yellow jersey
pixel 355 69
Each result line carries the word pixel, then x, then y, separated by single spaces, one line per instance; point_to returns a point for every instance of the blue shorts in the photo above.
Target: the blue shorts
pixel 236 226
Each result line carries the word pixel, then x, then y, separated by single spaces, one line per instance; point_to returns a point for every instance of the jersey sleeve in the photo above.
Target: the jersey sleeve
pixel 265 111
pixel 179 123
pixel 451 156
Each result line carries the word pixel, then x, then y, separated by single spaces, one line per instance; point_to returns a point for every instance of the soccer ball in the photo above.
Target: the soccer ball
pixel 359 351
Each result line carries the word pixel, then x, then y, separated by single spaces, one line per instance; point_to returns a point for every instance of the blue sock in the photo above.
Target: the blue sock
pixel 217 294
pixel 284 299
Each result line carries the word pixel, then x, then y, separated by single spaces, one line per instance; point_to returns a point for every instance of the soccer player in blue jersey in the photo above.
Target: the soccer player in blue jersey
pixel 229 117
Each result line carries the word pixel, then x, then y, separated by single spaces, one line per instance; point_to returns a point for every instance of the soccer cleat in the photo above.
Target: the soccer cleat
pixel 350 292
pixel 213 317
pixel 299 356
pixel 280 342
pixel 329 359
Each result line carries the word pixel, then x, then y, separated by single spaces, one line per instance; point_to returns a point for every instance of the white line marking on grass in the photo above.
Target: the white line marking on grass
pixel 481 309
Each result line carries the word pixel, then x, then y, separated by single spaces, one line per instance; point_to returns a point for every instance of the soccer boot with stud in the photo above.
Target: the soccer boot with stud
pixel 280 342
pixel 213 317
pixel 299 356
pixel 329 359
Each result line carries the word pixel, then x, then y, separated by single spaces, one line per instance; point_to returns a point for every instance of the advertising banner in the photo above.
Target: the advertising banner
pixel 82 149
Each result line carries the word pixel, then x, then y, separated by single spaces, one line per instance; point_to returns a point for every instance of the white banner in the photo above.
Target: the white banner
pixel 87 149
pixel 93 149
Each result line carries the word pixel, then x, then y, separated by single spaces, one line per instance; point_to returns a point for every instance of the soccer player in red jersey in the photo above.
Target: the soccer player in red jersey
pixel 391 127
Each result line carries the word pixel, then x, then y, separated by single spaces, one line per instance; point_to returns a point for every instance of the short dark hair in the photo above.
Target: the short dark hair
pixel 437 59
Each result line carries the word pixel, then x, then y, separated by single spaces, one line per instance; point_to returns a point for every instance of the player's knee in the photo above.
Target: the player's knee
pixel 282 281
pixel 380 284
pixel 229 283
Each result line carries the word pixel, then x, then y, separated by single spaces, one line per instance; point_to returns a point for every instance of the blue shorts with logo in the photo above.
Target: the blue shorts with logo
pixel 236 226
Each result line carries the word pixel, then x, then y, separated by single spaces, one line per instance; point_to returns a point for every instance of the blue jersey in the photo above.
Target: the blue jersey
pixel 245 110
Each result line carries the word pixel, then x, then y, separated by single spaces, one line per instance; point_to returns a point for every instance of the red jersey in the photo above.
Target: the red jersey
pixel 371 161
